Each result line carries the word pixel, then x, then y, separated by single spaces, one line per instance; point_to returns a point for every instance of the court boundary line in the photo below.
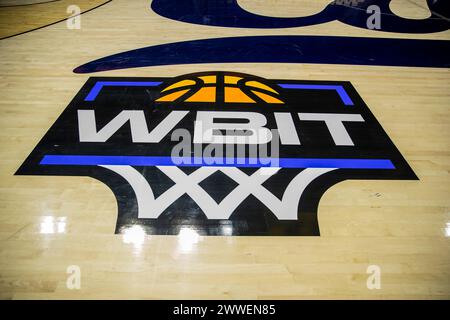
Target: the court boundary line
pixel 53 23
pixel 433 12
pixel 439 16
pixel 28 4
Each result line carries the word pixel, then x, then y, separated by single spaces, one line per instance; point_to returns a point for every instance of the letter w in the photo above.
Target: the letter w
pixel 87 126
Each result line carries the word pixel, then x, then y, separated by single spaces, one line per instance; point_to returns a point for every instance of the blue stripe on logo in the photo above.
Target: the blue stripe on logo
pixel 339 89
pixel 88 160
pixel 100 84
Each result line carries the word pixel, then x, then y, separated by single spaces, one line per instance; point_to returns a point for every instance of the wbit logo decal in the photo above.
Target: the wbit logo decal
pixel 262 152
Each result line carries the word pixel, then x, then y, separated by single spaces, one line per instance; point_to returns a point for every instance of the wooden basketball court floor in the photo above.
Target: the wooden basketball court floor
pixel 48 223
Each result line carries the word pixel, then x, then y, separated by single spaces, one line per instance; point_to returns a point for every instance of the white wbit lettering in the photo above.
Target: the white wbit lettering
pixel 208 130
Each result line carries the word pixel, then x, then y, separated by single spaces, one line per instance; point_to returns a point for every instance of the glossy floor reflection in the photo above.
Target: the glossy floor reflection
pixel 51 225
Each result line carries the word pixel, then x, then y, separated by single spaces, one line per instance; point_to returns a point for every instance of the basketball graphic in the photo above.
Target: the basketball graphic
pixel 220 87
